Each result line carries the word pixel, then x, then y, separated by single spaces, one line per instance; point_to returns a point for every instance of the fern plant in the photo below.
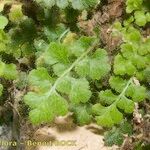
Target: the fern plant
pixel 123 98
pixel 72 66
pixel 66 68
pixel 62 71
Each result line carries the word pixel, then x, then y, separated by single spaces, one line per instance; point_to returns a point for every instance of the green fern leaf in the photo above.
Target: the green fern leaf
pixel 45 108
pixel 82 114
pixel 107 97
pixel 70 86
pixel 40 79
pixel 140 18
pixel 8 71
pixel 107 116
pixel 126 104
pixel 53 34
pixel 117 83
pixel 3 22
pixel 89 66
pixel 123 66
pixel 81 45
pixel 133 5
pixel 137 92
pixel 56 53
pixel 130 52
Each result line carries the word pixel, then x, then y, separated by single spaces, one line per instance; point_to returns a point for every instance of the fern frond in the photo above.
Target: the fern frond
pixel 129 93
pixel 65 89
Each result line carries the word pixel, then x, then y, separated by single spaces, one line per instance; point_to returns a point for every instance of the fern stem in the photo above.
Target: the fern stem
pixel 71 67
pixel 124 90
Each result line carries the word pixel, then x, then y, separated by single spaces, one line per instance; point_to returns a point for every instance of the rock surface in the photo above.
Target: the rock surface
pixel 85 138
